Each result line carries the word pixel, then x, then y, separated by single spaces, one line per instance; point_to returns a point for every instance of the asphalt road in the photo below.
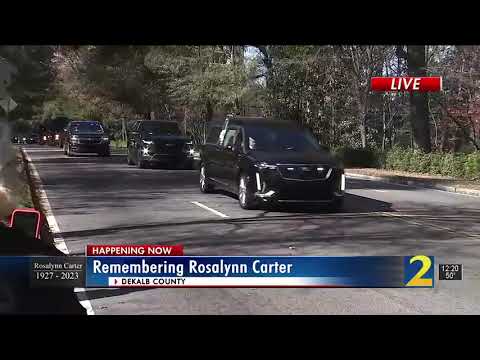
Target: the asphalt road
pixel 99 200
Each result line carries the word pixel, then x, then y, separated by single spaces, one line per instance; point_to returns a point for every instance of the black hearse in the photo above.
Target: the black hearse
pixel 267 160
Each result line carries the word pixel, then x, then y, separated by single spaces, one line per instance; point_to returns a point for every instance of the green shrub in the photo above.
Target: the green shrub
pixel 459 165
pixel 453 165
pixel 394 158
pixel 352 157
pixel 436 163
pixel 472 166
pixel 456 165
pixel 420 162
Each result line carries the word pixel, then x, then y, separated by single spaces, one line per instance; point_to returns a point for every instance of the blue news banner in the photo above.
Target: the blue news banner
pixel 222 271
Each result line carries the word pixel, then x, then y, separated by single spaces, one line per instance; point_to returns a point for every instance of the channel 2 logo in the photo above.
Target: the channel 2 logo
pixel 419 271
pixel 407 84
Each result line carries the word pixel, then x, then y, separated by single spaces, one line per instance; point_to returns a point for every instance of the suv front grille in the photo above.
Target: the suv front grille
pixel 89 140
pixel 306 172
pixel 168 147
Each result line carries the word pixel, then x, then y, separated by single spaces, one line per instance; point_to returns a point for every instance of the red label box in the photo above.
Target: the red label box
pixel 410 84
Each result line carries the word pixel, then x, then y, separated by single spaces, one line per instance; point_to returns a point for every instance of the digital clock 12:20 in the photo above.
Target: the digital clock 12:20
pixel 450 271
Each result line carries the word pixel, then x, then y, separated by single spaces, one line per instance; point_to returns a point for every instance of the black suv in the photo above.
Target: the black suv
pixel 158 142
pixel 265 160
pixel 86 137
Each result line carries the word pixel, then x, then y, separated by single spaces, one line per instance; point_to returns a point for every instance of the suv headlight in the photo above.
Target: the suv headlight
pixel 264 165
pixel 147 142
pixel 105 138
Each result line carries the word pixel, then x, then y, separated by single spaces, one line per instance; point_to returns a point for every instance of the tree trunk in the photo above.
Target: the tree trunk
pixel 419 112
pixel 384 134
pixel 209 112
pixel 362 113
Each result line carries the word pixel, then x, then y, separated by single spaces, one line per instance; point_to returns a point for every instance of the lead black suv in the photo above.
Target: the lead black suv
pixel 158 142
pixel 86 137
pixel 266 160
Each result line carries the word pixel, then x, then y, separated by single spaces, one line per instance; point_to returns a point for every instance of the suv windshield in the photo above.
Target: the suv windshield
pixel 158 128
pixel 86 127
pixel 280 139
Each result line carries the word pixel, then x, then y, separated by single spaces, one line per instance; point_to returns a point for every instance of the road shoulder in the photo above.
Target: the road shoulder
pixel 438 183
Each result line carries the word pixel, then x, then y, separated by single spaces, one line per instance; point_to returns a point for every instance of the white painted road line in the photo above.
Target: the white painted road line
pixel 45 150
pixel 382 191
pixel 209 209
pixel 59 241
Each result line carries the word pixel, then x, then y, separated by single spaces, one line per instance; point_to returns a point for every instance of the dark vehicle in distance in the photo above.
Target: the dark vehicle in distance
pixel 15 140
pixel 86 137
pixel 31 139
pixel 56 130
pixel 158 142
pixel 270 161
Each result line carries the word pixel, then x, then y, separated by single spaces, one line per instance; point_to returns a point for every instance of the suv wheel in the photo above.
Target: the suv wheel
pixel 129 159
pixel 68 152
pixel 337 205
pixel 246 197
pixel 105 153
pixel 141 164
pixel 205 185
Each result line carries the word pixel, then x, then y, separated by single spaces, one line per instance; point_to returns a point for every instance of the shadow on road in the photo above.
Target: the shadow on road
pixel 354 204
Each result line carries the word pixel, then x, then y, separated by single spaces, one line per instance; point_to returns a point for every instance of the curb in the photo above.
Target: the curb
pixel 451 189
pixel 47 235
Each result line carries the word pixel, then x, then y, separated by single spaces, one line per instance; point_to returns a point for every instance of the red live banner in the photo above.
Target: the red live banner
pixel 134 250
pixel 410 84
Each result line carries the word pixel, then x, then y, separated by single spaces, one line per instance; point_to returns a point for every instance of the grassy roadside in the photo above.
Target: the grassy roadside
pixel 15 191
pixel 118 144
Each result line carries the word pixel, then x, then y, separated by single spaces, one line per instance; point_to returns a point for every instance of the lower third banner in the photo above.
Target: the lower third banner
pixel 260 271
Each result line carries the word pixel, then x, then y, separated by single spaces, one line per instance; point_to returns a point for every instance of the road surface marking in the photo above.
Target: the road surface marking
pixel 43 150
pixel 210 209
pixel 58 240
pixel 382 191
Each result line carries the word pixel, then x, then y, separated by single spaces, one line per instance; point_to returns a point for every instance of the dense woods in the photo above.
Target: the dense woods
pixel 326 88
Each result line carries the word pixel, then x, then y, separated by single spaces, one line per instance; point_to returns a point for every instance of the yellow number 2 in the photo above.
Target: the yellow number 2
pixel 417 280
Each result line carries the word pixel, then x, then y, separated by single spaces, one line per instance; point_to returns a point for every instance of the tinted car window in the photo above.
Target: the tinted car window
pixel 213 135
pixel 264 138
pixel 160 128
pixel 86 127
pixel 230 137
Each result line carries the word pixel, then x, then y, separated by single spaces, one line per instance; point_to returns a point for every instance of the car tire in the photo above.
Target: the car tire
pixel 246 195
pixel 337 205
pixel 105 153
pixel 206 186
pixel 129 160
pixel 141 164
pixel 69 152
